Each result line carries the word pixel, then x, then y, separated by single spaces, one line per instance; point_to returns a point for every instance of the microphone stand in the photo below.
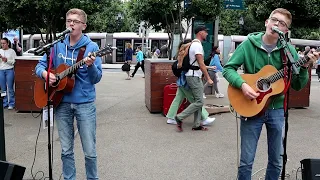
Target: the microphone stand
pixel 40 51
pixel 290 64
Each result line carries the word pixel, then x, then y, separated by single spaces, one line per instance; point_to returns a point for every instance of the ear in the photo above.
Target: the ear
pixel 84 27
pixel 266 23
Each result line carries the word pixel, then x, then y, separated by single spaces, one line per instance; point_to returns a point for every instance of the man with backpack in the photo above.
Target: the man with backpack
pixel 193 79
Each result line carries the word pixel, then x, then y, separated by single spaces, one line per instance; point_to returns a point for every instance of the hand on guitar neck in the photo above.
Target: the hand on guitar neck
pixel 52 77
pixel 313 57
pixel 248 92
pixel 90 60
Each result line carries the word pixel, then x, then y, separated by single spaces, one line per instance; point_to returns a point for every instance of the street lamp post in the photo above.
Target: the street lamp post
pixel 119 19
pixel 241 23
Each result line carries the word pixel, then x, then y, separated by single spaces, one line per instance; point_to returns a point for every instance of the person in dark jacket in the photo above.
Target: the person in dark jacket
pixel 128 58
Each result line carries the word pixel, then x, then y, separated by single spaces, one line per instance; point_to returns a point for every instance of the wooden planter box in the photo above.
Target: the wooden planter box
pixel 158 74
pixel 299 99
pixel 24 82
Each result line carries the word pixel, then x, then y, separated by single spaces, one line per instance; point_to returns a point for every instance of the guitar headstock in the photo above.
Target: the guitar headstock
pixel 104 51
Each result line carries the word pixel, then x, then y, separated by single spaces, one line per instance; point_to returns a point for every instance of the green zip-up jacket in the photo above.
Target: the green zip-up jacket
pixel 254 57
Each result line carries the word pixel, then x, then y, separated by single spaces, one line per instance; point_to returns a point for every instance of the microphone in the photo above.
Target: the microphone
pixel 68 30
pixel 276 29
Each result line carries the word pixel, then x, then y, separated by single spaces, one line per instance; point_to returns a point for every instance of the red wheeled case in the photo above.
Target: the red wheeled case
pixel 169 93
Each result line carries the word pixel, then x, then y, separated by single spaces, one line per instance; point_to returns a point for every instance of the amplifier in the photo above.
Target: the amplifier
pixel 9 171
pixel 310 169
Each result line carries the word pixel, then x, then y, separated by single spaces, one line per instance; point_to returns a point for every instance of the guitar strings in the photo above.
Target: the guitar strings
pixel 280 74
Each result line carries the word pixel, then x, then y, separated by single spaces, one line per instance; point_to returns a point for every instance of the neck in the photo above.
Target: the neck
pixel 269 40
pixel 198 37
pixel 74 39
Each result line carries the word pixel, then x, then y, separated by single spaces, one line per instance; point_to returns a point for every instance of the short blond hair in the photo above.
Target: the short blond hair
pixel 283 12
pixel 129 45
pixel 79 12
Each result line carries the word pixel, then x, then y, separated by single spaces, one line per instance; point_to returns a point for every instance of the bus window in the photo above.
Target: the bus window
pixel 137 42
pixel 24 45
pixel 121 47
pixel 36 43
pixel 155 43
pixel 237 44
pixel 163 42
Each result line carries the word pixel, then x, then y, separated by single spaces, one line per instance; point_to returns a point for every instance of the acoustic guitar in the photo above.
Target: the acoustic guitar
pixel 268 82
pixel 65 81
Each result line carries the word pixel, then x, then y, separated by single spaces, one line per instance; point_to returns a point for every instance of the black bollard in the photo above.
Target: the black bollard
pixel 2 137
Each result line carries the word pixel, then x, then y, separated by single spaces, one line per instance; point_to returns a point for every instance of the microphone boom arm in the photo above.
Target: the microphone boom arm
pixel 43 49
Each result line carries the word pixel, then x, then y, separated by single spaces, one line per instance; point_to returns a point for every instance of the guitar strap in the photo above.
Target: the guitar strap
pixel 286 77
pixel 80 55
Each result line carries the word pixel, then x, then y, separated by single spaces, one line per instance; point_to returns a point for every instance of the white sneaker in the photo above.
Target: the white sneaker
pixel 171 121
pixel 219 95
pixel 204 96
pixel 208 121
pixel 10 108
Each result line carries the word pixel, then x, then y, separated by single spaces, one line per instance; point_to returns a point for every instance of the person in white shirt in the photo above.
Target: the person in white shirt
pixel 193 77
pixel 7 60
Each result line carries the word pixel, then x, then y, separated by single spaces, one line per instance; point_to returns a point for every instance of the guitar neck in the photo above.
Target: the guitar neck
pixel 280 74
pixel 73 68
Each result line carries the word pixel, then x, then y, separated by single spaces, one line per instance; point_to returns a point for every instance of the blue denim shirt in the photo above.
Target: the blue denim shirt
pixel 182 81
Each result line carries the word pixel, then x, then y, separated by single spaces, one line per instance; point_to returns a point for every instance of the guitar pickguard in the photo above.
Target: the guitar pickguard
pixel 262 95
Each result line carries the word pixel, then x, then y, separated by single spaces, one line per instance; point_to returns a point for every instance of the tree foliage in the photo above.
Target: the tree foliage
pixel 229 23
pixel 168 14
pixel 113 17
pixel 305 14
pixel 34 16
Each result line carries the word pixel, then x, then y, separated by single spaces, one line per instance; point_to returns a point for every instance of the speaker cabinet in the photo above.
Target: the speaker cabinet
pixel 310 169
pixel 9 171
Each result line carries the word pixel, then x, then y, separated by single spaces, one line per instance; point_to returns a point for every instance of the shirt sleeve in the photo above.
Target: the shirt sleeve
pixel 11 59
pixel 217 63
pixel 198 48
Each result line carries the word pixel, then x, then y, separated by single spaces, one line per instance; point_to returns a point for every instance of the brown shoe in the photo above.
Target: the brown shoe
pixel 179 125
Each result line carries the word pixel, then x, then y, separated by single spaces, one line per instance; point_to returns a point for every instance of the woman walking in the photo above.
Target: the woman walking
pixel 128 59
pixel 215 61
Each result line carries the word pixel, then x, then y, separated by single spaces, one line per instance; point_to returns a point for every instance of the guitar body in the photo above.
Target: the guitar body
pixel 248 108
pixel 56 91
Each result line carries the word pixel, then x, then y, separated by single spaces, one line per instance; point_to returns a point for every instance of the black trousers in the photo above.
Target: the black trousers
pixel 139 64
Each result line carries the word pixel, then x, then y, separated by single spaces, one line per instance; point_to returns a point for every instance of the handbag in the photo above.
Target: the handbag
pixel 125 67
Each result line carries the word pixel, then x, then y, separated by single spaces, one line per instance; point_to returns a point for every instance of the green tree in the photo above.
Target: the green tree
pixel 34 16
pixel 230 25
pixel 113 17
pixel 168 14
pixel 305 14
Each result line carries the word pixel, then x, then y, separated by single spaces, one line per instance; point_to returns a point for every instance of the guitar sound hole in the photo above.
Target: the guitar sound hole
pixel 263 85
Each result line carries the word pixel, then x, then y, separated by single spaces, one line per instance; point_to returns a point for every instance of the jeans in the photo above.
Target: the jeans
pixel 213 77
pixel 250 130
pixel 7 79
pixel 180 95
pixel 196 87
pixel 85 115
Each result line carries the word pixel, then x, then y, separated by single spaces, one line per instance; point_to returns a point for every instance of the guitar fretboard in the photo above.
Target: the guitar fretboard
pixel 280 74
pixel 73 68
